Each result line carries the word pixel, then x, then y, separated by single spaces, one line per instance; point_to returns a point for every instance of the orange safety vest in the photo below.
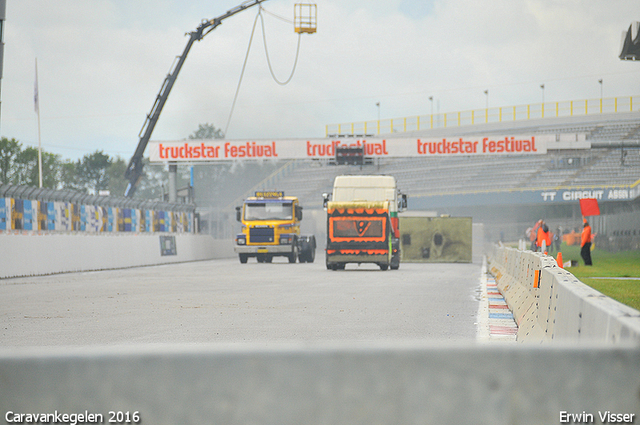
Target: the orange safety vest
pixel 586 235
pixel 543 236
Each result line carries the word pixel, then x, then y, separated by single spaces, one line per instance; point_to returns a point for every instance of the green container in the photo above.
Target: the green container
pixel 435 239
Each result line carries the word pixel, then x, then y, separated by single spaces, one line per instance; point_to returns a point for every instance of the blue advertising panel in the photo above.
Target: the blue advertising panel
pixel 51 216
pixel 161 221
pixel 83 218
pixel 111 224
pixel 17 214
pixel 27 215
pixel 126 216
pixel 5 214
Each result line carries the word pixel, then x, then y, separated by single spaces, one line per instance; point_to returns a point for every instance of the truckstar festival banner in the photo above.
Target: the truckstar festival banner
pixel 229 150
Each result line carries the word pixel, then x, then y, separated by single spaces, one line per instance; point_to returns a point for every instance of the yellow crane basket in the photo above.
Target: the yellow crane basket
pixel 304 19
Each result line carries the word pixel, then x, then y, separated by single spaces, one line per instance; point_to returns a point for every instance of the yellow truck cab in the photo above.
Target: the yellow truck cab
pixel 271 227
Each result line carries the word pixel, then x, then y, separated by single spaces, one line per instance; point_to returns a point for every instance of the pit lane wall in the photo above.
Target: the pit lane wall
pixel 290 384
pixel 37 253
pixel 549 303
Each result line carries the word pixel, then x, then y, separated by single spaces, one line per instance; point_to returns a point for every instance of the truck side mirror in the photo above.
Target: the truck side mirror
pixel 298 212
pixel 325 200
pixel 238 213
pixel 403 202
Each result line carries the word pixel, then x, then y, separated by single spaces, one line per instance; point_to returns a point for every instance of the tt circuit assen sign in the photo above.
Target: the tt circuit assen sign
pixel 229 150
pixel 526 197
pixel 601 194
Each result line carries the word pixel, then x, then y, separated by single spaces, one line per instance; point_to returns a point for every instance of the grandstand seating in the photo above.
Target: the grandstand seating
pixel 576 168
pixel 453 181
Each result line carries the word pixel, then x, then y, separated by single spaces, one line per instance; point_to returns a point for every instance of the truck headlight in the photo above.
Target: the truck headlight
pixel 241 239
pixel 285 240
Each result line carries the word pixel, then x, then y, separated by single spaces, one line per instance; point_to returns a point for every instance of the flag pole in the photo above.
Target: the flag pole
pixel 36 101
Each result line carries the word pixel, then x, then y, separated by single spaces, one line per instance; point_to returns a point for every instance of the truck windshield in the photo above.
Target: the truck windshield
pixel 268 211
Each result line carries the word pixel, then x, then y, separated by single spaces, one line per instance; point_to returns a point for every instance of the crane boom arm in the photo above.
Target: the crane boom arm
pixel 136 165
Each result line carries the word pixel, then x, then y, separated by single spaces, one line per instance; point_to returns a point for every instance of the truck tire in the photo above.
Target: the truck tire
pixel 395 258
pixel 243 258
pixel 307 256
pixel 311 255
pixel 395 262
pixel 294 255
pixel 306 249
pixel 336 266
pixel 383 267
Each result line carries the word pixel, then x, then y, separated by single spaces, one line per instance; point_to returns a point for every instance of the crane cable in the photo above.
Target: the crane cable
pixel 266 51
pixel 244 65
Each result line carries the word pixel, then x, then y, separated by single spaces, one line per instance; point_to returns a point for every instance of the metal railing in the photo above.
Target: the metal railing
pixel 53 195
pixel 27 208
pixel 568 108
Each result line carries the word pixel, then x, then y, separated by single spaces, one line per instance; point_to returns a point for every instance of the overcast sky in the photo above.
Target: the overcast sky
pixel 101 64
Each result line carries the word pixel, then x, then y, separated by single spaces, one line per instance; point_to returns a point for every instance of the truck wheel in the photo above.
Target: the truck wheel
pixel 395 258
pixel 307 256
pixel 294 255
pixel 243 258
pixel 395 262
pixel 311 250
pixel 268 258
pixel 383 267
pixel 311 255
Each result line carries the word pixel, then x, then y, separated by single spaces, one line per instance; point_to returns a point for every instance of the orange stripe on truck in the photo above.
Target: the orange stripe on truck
pixel 358 251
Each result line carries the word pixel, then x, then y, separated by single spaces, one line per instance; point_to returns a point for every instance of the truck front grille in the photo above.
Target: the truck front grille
pixel 261 235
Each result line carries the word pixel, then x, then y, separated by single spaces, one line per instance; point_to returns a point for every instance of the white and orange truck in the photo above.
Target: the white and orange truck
pixel 271 227
pixel 362 221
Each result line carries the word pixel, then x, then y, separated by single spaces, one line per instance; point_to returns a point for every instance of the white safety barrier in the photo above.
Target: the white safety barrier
pixel 549 303
pixel 290 384
pixel 32 253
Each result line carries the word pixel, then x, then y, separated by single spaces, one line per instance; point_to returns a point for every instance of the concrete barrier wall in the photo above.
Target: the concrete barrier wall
pixel 549 303
pixel 288 384
pixel 33 254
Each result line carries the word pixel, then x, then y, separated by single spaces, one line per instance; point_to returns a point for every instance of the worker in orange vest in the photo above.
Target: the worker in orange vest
pixel 543 236
pixel 585 251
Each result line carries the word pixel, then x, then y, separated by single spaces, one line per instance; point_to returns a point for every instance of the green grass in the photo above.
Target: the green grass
pixel 607 264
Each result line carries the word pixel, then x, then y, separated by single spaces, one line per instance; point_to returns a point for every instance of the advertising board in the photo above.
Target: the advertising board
pixel 229 150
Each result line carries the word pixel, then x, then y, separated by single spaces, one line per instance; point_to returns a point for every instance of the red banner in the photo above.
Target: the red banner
pixel 375 147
